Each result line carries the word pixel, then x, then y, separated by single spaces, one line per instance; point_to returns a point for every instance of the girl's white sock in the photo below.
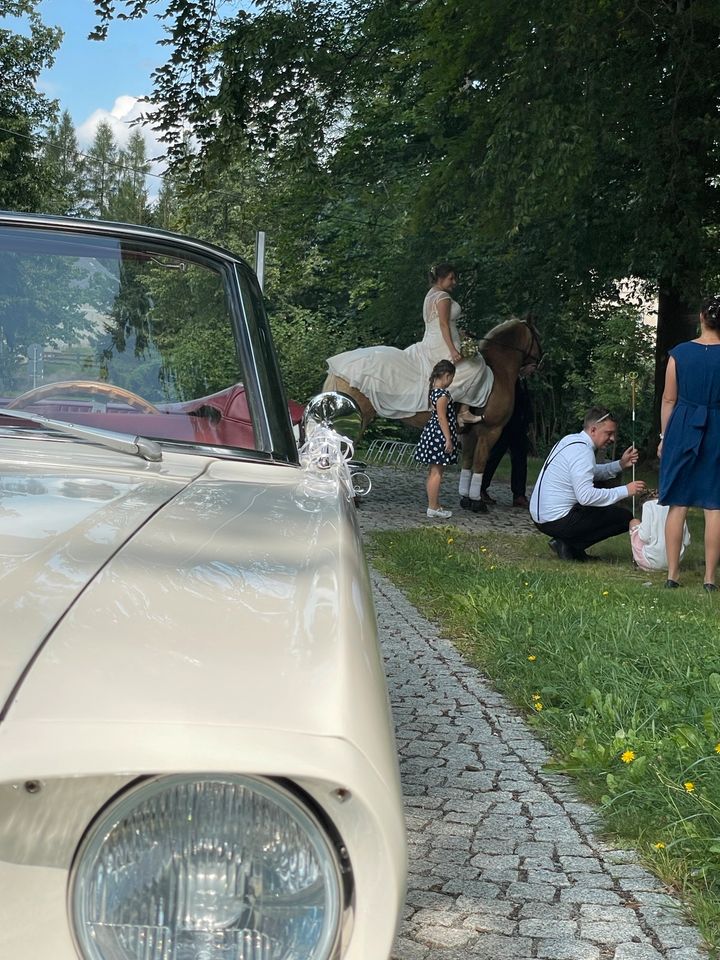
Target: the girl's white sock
pixel 464 486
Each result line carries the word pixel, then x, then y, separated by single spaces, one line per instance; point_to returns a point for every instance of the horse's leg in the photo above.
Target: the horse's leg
pixel 477 444
pixel 469 439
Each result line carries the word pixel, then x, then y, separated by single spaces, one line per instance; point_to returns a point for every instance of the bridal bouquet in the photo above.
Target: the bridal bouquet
pixel 470 347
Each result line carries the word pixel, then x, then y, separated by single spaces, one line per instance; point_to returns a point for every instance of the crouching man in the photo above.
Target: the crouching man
pixel 566 504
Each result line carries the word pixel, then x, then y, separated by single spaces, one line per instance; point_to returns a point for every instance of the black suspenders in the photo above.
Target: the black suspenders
pixel 547 464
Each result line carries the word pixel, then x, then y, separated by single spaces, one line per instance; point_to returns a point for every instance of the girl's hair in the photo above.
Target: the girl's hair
pixel 439 370
pixel 440 270
pixel 711 313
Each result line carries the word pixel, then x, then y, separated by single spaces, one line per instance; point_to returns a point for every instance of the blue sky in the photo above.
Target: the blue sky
pixel 101 80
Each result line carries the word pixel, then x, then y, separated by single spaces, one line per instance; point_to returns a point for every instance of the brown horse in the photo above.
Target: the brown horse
pixel 509 349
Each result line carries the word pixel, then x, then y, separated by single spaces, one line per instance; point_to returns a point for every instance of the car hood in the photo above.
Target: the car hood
pixel 65 511
pixel 242 602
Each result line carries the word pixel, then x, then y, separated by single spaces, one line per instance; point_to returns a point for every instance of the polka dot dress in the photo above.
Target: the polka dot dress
pixel 431 445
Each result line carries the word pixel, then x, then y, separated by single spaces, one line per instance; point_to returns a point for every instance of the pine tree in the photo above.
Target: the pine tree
pixel 64 169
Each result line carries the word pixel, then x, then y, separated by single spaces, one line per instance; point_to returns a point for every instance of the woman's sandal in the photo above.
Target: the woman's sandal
pixel 710 587
pixel 671 584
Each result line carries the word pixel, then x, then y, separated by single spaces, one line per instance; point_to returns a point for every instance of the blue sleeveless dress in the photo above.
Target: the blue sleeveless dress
pixel 690 461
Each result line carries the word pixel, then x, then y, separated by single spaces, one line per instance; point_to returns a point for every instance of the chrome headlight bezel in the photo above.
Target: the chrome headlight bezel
pixel 319 832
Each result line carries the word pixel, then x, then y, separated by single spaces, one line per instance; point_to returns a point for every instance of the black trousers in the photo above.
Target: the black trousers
pixel 513 438
pixel 584 526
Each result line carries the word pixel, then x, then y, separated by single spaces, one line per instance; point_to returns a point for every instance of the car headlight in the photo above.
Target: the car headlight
pixel 206 868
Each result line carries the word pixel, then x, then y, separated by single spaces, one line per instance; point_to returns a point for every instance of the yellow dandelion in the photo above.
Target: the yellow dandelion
pixel 628 756
pixel 717 748
pixel 536 696
pixel 451 540
pixel 606 593
pixel 526 583
pixel 689 786
pixel 492 566
pixel 659 845
pixel 532 658
pixel 538 706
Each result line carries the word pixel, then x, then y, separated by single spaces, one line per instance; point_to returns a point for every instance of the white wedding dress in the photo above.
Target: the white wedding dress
pixel 396 382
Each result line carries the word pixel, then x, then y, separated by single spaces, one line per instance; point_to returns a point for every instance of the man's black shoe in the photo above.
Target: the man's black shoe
pixel 562 549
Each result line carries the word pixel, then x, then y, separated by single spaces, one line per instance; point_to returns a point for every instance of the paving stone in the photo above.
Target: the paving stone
pixel 610 932
pixel 484 923
pixel 687 953
pixel 532 910
pixel 443 936
pixel 636 951
pixel 531 891
pixel 548 929
pixel 494 947
pixel 567 950
pixel 607 913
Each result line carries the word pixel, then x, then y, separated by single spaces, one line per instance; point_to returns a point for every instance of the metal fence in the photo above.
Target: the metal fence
pixel 392 453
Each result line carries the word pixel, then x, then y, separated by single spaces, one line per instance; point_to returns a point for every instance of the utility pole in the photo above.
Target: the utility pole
pixel 260 256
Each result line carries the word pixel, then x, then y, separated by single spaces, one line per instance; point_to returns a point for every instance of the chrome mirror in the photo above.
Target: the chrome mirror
pixel 335 410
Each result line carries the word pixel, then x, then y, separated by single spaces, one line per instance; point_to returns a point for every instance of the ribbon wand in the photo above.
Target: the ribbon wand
pixel 633 392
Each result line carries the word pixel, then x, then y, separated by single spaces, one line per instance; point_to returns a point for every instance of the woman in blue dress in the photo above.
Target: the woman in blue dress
pixel 689 448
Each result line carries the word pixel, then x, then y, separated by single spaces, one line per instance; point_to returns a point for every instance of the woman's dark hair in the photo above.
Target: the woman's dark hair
pixel 711 313
pixel 440 270
pixel 440 369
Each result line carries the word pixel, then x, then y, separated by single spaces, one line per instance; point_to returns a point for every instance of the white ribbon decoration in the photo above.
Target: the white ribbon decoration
pixel 324 458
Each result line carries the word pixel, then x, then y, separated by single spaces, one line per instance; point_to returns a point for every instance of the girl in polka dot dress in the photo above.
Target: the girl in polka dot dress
pixel 438 443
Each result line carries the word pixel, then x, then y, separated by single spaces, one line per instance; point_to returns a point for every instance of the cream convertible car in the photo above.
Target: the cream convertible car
pixel 196 751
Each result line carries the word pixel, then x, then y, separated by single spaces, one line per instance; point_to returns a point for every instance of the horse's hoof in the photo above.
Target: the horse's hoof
pixel 465 503
pixel 477 506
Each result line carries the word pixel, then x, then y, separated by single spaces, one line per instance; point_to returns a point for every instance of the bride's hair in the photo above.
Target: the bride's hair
pixel 440 270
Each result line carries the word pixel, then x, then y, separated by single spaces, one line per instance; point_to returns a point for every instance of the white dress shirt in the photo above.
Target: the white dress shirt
pixel 568 477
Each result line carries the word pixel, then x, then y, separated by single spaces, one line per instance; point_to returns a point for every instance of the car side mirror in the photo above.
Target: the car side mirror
pixel 336 411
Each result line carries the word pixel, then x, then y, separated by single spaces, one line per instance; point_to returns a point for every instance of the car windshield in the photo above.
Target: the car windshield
pixel 129 335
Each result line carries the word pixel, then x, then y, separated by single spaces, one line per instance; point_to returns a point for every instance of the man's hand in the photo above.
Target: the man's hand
pixel 628 458
pixel 635 487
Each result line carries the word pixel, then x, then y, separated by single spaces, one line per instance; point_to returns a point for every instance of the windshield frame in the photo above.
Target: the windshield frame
pixel 263 385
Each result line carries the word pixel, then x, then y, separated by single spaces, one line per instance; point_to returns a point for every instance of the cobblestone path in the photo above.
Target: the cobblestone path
pixel 504 864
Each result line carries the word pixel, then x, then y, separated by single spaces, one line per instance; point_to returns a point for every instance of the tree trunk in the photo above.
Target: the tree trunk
pixel 677 321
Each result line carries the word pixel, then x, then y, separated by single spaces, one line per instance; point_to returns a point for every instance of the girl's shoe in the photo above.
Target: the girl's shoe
pixel 439 514
pixel 671 584
pixel 710 587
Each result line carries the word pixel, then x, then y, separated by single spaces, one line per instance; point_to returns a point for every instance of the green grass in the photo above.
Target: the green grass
pixel 605 663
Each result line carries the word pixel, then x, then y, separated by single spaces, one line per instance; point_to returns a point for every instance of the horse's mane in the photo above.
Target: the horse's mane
pixel 504 327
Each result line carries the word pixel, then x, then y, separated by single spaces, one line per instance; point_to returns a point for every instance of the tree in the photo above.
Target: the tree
pixel 129 198
pixel 23 55
pixel 102 172
pixel 63 168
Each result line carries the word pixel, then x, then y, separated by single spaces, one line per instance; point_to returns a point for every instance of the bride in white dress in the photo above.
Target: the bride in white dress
pixel 396 381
